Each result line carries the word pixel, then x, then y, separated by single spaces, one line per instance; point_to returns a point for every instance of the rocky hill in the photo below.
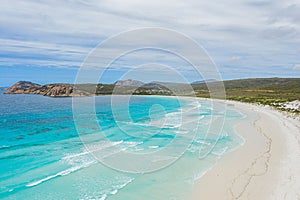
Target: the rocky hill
pixel 23 87
pixel 53 90
pixel 68 90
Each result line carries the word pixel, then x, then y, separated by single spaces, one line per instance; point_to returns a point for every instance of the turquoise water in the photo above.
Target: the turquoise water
pixel 43 156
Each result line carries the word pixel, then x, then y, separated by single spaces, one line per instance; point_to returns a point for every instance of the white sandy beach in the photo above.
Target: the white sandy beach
pixel 265 167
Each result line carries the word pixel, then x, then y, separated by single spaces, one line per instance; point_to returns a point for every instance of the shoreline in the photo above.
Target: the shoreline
pixel 261 168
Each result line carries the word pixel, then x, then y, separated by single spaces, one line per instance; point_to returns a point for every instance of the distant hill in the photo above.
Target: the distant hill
pixel 257 89
pixel 129 82
pixel 265 83
pixel 262 90
pixel 204 81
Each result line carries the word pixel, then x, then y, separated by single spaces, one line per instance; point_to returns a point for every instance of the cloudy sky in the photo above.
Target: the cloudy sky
pixel 47 41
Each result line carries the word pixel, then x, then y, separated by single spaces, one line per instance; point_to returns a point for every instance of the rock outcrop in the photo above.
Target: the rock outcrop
pixel 52 90
pixel 23 87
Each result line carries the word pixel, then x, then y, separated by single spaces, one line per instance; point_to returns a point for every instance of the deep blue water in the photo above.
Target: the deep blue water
pixel 42 155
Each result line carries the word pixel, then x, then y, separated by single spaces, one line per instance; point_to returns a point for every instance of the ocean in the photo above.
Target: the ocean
pixel 147 148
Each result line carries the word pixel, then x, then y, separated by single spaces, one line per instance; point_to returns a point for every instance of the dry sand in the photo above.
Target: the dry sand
pixel 267 166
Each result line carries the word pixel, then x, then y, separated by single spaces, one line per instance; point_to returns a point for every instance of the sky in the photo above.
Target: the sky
pixel 48 41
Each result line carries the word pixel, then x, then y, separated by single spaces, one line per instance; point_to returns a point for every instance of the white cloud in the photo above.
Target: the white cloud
pixel 263 32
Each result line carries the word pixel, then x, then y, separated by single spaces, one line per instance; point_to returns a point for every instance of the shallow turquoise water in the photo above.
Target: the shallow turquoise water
pixel 43 156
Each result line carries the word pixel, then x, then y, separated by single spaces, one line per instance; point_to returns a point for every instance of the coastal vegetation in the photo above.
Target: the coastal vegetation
pixel 275 92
